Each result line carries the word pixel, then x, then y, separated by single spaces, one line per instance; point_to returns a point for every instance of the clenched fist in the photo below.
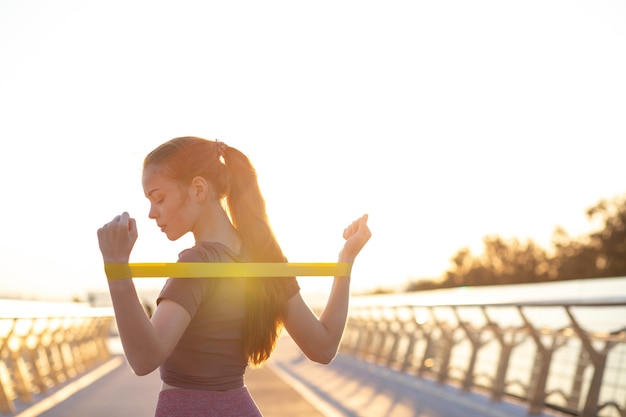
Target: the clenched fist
pixel 117 238
pixel 356 236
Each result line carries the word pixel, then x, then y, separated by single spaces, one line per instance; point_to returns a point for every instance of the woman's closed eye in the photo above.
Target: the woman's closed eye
pixel 156 199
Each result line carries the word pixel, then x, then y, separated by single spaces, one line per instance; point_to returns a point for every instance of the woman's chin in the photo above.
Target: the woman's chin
pixel 172 236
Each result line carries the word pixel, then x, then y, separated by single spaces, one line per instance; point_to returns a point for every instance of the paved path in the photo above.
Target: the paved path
pixel 289 385
pixel 350 387
pixel 113 390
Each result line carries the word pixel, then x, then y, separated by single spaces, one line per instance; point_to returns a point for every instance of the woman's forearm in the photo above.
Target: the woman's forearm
pixel 334 316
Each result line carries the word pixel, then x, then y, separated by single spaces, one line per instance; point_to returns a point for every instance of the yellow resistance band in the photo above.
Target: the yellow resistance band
pixel 229 270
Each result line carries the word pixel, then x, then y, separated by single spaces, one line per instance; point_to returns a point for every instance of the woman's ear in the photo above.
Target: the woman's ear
pixel 200 189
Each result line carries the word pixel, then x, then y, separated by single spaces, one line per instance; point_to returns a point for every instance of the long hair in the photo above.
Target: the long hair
pixel 234 179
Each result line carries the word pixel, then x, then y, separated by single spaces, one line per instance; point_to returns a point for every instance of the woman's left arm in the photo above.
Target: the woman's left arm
pixel 319 338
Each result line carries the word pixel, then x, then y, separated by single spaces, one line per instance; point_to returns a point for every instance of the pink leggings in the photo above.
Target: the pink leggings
pixel 178 402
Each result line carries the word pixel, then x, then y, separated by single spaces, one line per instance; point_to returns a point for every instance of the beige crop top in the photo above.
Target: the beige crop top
pixel 209 355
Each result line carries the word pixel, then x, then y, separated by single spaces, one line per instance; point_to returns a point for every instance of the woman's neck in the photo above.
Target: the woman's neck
pixel 215 226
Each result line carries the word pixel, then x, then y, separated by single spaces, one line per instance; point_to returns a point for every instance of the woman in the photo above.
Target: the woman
pixel 204 332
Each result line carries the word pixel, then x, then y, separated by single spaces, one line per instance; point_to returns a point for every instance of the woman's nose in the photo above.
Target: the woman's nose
pixel 152 212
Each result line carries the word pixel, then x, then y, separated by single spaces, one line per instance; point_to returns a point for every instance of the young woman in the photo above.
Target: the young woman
pixel 205 332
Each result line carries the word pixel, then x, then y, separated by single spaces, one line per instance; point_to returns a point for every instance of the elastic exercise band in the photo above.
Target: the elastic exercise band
pixel 227 270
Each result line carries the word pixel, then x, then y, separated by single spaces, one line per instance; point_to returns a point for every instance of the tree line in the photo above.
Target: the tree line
pixel 599 254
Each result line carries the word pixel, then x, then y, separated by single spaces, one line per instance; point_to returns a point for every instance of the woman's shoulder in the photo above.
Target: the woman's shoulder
pixel 209 252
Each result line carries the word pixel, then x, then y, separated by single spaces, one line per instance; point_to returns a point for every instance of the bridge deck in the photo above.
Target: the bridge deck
pixel 288 385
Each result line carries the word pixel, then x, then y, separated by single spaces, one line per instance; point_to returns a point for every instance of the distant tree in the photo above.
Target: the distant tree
pixel 573 258
pixel 502 262
pixel 602 253
pixel 610 241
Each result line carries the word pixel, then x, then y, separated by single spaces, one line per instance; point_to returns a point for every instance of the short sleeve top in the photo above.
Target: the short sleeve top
pixel 210 353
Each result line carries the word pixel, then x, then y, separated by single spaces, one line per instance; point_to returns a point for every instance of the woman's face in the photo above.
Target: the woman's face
pixel 169 203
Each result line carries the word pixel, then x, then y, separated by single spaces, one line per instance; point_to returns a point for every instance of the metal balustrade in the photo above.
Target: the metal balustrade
pixel 505 350
pixel 39 353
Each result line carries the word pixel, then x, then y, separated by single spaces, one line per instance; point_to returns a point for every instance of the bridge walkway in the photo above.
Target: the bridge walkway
pixel 289 385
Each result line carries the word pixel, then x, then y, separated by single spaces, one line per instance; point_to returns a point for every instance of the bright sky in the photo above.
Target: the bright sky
pixel 446 121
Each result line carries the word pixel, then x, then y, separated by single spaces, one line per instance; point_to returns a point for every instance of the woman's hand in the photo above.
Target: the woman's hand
pixel 356 235
pixel 117 238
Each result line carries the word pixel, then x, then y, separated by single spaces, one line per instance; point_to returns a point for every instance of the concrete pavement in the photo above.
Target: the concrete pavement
pixel 288 385
pixel 350 387
pixel 113 390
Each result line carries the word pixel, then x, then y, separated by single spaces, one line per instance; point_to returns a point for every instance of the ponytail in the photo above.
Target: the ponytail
pixel 265 297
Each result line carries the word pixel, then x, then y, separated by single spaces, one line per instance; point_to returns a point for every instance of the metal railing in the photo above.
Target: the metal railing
pixel 39 353
pixel 505 350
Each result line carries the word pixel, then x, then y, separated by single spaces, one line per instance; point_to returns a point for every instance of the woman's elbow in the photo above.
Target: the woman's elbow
pixel 142 367
pixel 323 357
pixel 142 371
pixel 326 360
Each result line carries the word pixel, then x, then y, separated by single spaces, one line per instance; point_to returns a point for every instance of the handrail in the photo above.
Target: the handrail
pixel 38 353
pixel 503 349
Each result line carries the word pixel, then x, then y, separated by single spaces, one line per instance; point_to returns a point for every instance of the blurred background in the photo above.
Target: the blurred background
pixel 486 139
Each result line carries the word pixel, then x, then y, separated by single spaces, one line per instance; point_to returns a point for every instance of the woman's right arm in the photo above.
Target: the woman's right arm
pixel 146 342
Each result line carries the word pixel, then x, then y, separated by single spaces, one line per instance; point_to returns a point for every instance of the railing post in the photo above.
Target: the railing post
pixel 598 359
pixel 103 351
pixel 506 349
pixel 365 334
pixel 6 391
pixel 412 338
pixel 7 394
pixel 37 359
pixel 425 362
pixel 577 383
pixel 396 330
pixel 444 347
pixel 20 372
pixel 361 337
pixel 356 328
pixel 53 351
pixel 541 367
pixel 536 390
pixel 65 346
pixel 382 331
pixel 474 336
